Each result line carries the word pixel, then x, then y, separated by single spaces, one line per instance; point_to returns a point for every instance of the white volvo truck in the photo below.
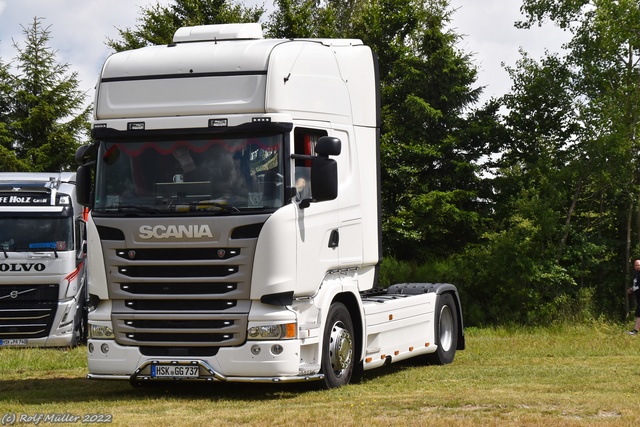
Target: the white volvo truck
pixel 42 268
pixel 234 234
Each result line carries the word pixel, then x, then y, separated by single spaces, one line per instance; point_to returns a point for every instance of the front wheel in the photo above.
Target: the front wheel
pixel 446 331
pixel 338 347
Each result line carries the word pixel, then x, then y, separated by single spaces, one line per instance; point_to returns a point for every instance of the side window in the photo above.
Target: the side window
pixel 305 140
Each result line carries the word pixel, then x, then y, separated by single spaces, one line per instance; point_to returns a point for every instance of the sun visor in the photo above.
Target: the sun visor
pixel 184 79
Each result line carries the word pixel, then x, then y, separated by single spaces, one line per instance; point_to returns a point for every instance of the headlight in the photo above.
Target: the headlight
pixel 65 318
pixel 100 332
pixel 272 332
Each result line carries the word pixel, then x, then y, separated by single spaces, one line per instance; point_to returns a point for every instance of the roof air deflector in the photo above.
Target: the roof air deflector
pixel 218 32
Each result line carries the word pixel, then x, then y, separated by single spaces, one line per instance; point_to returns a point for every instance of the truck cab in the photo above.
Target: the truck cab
pixel 42 254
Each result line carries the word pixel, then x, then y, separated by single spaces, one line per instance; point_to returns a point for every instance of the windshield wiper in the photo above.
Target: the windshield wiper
pixel 131 208
pixel 55 250
pixel 43 246
pixel 6 246
pixel 206 205
pixel 43 249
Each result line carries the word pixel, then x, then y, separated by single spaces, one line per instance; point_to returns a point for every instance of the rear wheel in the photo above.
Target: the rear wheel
pixel 446 331
pixel 338 347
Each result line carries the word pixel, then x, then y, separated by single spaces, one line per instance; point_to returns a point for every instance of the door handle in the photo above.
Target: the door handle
pixel 334 239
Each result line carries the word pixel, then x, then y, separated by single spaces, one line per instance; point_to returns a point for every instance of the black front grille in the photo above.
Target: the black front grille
pixel 207 288
pixel 178 271
pixel 179 305
pixel 22 295
pixel 181 324
pixel 192 338
pixel 179 351
pixel 181 329
pixel 186 295
pixel 27 311
pixel 184 254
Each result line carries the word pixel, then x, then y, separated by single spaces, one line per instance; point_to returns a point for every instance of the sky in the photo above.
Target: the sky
pixel 79 30
pixel 488 31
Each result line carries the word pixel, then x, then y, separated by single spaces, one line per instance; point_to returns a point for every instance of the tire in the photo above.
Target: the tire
pixel 445 331
pixel 338 347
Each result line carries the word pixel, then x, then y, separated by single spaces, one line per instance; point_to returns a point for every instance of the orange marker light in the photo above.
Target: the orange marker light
pixel 291 330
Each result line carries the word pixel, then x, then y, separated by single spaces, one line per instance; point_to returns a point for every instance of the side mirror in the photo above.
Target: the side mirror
pixel 324 171
pixel 86 153
pixel 83 185
pixel 79 156
pixel 328 146
pixel 324 179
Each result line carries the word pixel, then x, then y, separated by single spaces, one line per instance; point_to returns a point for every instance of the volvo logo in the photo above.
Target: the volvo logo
pixel 23 266
pixel 15 294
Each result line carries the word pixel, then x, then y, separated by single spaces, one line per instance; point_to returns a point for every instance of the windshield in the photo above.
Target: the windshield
pixel 37 233
pixel 190 175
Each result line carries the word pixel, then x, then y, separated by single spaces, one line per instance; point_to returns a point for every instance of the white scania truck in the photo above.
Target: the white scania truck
pixel 234 233
pixel 42 268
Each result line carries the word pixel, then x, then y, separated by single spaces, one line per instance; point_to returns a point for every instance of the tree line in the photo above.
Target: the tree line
pixel 528 203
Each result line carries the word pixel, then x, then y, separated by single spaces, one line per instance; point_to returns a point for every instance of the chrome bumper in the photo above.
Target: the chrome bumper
pixel 207 373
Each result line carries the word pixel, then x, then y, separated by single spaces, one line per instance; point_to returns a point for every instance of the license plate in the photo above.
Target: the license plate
pixel 175 371
pixel 13 342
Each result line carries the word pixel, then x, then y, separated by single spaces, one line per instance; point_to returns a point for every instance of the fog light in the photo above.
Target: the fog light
pixel 91 347
pixel 255 349
pixel 104 348
pixel 276 349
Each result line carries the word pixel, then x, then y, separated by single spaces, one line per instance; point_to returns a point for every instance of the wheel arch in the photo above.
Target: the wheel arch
pixel 354 306
pixel 447 288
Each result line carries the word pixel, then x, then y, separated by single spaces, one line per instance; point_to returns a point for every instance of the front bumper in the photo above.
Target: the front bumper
pixel 231 364
pixel 207 373
pixel 62 332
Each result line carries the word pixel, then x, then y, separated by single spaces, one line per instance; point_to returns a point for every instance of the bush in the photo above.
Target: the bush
pixel 566 309
pixel 393 271
pixel 550 296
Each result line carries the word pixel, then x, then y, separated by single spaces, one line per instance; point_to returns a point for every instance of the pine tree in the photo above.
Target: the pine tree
pixel 46 118
pixel 8 160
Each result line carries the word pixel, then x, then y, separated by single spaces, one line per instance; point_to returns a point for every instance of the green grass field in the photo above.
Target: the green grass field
pixel 563 376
